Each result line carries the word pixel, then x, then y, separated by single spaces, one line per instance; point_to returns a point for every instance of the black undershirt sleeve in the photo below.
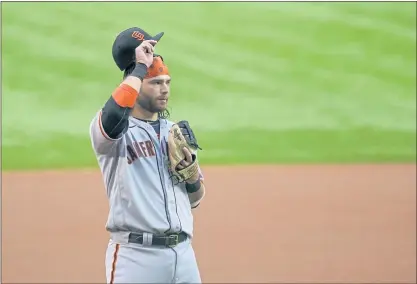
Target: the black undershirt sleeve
pixel 114 118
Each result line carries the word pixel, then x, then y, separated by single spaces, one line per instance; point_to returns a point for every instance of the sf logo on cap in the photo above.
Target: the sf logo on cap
pixel 137 35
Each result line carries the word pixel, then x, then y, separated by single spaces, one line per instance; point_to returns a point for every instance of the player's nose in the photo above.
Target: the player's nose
pixel 164 92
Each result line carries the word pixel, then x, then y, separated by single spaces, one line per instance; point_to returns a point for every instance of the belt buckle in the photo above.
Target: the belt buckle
pixel 175 241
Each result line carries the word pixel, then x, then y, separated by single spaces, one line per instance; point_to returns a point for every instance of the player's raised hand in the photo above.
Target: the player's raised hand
pixel 144 52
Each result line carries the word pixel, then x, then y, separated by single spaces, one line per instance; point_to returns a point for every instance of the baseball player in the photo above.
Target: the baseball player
pixel 150 170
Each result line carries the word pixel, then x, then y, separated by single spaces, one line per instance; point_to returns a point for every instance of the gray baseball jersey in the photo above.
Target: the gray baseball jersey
pixel 142 196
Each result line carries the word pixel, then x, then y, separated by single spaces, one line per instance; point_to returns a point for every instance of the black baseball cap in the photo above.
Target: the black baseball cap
pixel 125 44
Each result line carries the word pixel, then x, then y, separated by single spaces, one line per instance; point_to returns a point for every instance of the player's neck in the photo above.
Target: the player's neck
pixel 143 114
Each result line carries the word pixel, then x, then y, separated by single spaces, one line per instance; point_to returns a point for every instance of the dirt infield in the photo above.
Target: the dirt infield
pixel 256 224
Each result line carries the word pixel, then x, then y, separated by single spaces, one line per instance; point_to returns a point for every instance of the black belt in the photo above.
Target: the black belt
pixel 170 240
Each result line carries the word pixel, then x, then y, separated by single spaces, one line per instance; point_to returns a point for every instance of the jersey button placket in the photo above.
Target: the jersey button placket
pixel 173 208
pixel 172 204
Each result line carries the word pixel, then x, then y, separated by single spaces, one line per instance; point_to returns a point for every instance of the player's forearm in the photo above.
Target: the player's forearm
pixel 197 196
pixel 116 111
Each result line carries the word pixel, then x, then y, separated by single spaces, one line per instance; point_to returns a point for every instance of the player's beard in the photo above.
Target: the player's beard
pixel 150 104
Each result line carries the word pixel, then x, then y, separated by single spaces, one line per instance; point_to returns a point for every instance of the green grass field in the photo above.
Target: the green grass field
pixel 259 82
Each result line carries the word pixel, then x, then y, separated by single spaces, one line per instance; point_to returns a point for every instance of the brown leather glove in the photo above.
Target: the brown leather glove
pixel 180 136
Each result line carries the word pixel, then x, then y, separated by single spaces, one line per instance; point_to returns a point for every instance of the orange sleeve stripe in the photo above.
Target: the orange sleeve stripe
pixel 113 266
pixel 101 128
pixel 125 96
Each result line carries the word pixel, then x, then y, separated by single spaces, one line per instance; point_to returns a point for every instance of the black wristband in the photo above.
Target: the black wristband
pixel 139 71
pixel 193 187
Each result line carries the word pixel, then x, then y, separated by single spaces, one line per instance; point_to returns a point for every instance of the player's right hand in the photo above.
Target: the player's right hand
pixel 144 52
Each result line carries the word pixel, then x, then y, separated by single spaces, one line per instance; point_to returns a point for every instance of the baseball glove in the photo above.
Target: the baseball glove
pixel 180 136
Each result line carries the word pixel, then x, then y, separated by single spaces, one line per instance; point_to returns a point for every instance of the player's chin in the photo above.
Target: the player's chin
pixel 161 105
